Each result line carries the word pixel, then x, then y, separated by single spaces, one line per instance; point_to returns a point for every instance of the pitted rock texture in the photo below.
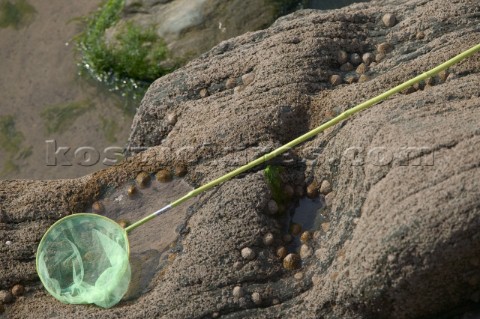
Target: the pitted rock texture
pixel 403 238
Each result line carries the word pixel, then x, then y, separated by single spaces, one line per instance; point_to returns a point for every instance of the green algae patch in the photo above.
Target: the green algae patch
pixel 11 141
pixel 274 181
pixel 110 129
pixel 130 61
pixel 59 117
pixel 16 14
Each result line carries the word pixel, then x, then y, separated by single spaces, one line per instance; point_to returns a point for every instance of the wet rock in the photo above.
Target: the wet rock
pixel 272 207
pixel 143 179
pixel 312 190
pixel 287 238
pixel 355 59
pixel 131 191
pixel 295 229
pixel 164 176
pixel 306 236
pixel 292 262
pixel 180 170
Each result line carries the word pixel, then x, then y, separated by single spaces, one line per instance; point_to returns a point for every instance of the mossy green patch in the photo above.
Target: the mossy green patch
pixel 16 14
pixel 59 117
pixel 274 181
pixel 110 129
pixel 11 141
pixel 131 62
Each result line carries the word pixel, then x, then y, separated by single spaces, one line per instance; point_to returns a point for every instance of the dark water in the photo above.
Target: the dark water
pixel 329 4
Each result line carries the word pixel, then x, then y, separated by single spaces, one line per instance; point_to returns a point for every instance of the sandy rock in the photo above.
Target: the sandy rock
pixel 424 212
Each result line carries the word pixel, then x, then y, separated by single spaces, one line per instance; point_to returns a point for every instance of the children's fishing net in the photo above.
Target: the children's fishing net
pixel 83 259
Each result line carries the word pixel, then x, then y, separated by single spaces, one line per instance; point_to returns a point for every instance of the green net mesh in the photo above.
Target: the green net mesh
pixel 83 259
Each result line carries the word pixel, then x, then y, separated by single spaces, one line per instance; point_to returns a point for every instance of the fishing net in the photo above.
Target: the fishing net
pixel 83 259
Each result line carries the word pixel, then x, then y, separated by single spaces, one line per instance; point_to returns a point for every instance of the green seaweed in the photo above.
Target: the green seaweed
pixel 16 14
pixel 274 181
pixel 132 62
pixel 11 141
pixel 59 117
pixel 10 138
pixel 110 129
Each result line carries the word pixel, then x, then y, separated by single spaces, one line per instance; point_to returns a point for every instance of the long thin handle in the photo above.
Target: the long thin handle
pixel 312 133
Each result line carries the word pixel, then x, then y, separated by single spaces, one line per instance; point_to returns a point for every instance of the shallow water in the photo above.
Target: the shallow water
pixel 42 97
pixel 330 4
pixel 151 242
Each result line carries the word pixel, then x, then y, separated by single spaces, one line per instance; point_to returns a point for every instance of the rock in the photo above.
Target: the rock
pixel 342 57
pixel 248 253
pixel 298 275
pixel 143 180
pixel 299 191
pixel 231 83
pixel 291 262
pixel 18 290
pixel 305 251
pixel 384 48
pixel 312 190
pixel 131 191
pixel 288 191
pixel 420 35
pixel 164 176
pixel 180 170
pixel 171 118
pixel 238 292
pixel 355 59
pixel 98 207
pixel 347 67
pixel 306 236
pixel 248 78
pixel 295 229
pixel 325 227
pixel 191 28
pixel 268 239
pixel 361 69
pixel 368 58
pixel 256 298
pixel 396 204
pixel 363 78
pixel 203 93
pixel 287 238
pixel 282 252
pixel 272 207
pixel 6 296
pixel 325 187
pixel 389 20
pixel 335 79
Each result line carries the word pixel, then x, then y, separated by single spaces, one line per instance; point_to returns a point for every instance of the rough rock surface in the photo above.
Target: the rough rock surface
pixel 192 27
pixel 403 236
